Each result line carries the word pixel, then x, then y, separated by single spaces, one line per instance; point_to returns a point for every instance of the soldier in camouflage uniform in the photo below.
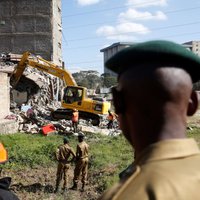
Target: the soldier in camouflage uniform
pixel 81 168
pixel 63 154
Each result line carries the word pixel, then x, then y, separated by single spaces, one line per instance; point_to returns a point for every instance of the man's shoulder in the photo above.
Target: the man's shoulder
pixel 157 178
pixel 117 191
pixel 85 144
pixel 67 146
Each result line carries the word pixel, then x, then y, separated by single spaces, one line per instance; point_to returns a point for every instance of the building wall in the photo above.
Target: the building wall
pixel 111 51
pixel 4 95
pixel 193 46
pixel 28 26
pixel 196 47
pixel 57 32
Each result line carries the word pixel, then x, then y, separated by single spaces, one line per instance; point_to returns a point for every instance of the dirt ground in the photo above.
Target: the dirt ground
pixel 39 183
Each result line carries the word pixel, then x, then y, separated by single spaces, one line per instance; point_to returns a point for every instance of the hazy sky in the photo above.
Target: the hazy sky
pixel 90 25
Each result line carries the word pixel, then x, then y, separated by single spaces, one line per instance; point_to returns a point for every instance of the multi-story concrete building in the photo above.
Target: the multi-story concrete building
pixel 193 46
pixel 109 51
pixel 33 26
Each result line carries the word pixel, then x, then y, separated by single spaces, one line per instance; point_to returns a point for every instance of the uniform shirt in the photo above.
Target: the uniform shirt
pixel 110 117
pixel 82 150
pixel 167 170
pixel 75 116
pixel 63 153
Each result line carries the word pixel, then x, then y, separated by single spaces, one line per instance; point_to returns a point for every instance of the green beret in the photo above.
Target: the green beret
pixel 81 134
pixel 158 53
pixel 65 139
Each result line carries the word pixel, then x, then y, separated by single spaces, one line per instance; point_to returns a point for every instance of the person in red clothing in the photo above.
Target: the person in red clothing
pixel 111 117
pixel 75 118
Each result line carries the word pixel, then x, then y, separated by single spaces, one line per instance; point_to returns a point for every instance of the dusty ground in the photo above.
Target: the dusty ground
pixel 39 183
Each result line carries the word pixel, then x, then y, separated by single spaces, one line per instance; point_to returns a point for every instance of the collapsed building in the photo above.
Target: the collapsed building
pixel 35 90
pixel 33 26
pixel 33 99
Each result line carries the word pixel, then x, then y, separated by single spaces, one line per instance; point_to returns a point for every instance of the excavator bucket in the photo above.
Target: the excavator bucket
pixel 17 73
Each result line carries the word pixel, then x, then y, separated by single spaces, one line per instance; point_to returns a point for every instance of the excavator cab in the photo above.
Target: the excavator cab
pixel 73 94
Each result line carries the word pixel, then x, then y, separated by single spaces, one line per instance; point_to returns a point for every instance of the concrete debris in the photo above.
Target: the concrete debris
pixel 35 97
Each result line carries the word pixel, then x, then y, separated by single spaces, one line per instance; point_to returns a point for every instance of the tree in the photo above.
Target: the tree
pixel 89 79
pixel 108 80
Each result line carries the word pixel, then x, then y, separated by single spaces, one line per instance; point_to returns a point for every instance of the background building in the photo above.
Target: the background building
pixel 111 50
pixel 33 26
pixel 193 46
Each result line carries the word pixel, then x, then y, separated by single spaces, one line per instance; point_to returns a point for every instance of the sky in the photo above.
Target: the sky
pixel 91 25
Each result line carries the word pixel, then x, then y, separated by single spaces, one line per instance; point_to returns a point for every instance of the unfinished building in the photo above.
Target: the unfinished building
pixel 33 26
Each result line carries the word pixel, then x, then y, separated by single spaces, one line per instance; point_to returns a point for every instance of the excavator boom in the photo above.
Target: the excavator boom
pixel 42 65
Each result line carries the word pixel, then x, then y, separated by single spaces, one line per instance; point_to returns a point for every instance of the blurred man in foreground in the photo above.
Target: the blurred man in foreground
pixel 153 98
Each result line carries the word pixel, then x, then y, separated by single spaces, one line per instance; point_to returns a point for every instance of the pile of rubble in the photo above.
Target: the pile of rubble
pixel 35 97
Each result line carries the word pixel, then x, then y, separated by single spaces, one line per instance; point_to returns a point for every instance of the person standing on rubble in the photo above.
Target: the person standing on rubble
pixel 63 154
pixel 81 167
pixel 5 193
pixel 75 119
pixel 111 117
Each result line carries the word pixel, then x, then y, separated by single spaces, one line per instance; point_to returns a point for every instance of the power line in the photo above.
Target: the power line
pixel 107 9
pixel 137 18
pixel 163 37
pixel 64 39
pixel 127 32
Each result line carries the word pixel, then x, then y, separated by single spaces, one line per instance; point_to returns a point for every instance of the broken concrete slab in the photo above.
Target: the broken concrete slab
pixel 8 126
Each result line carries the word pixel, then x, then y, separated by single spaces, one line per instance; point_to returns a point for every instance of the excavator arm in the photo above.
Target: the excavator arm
pixel 74 96
pixel 42 65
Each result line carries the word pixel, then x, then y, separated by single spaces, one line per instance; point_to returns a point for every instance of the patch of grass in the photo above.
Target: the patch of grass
pixel 194 133
pixel 26 150
pixel 108 155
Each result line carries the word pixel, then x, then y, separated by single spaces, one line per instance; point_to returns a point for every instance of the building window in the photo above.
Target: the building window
pixel 59 10
pixel 59 45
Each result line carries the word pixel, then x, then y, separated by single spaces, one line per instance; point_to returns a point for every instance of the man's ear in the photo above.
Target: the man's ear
pixel 193 104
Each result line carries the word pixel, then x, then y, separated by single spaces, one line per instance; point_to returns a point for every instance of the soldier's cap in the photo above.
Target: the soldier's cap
pixel 65 139
pixel 158 53
pixel 81 134
pixel 3 154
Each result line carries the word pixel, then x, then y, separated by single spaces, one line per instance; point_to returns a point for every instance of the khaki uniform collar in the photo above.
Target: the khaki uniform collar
pixel 168 149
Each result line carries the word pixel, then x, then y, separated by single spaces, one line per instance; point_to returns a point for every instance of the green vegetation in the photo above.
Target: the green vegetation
pixel 108 155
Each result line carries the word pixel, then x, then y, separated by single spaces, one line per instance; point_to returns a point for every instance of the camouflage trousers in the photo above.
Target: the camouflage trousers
pixel 81 169
pixel 62 170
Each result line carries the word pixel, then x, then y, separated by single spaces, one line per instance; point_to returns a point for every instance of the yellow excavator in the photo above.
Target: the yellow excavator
pixel 74 96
